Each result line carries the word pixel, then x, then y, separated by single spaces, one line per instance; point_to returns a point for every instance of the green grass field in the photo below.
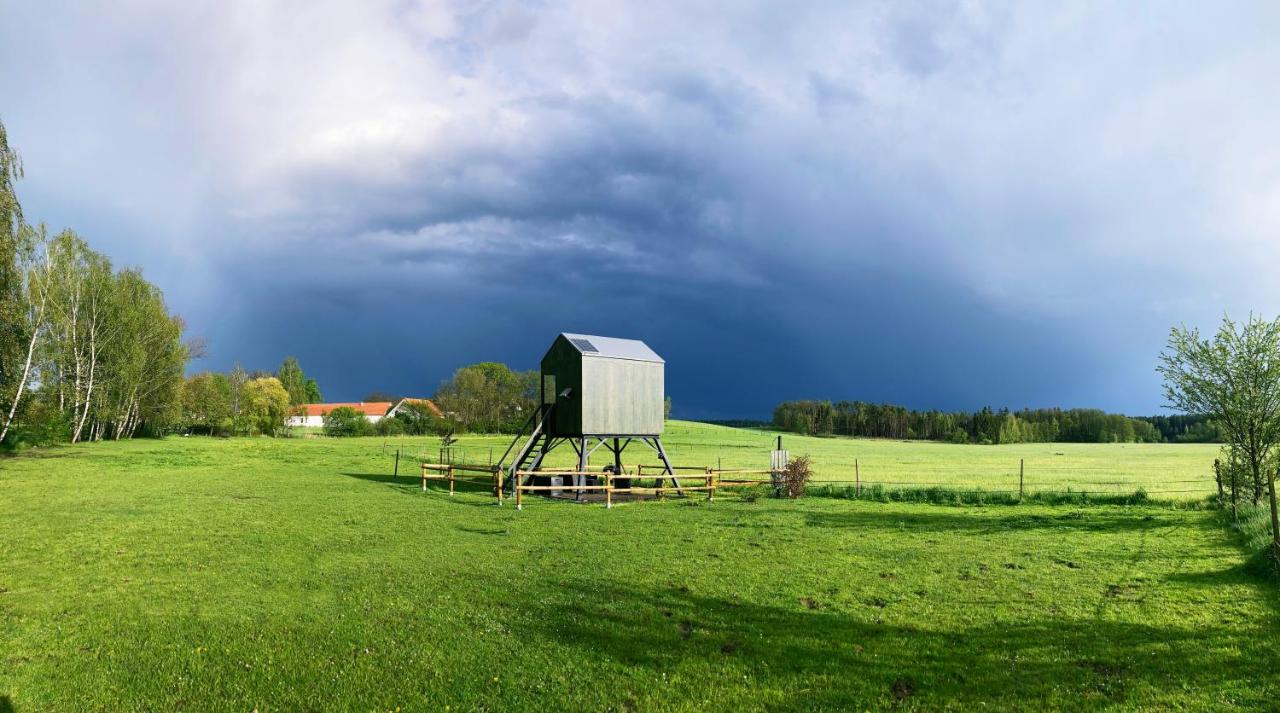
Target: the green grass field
pixel 1165 471
pixel 201 574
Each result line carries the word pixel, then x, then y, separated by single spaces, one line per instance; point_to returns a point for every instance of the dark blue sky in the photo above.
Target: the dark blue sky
pixel 936 204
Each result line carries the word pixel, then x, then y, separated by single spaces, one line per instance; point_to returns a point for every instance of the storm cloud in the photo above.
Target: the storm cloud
pixel 939 204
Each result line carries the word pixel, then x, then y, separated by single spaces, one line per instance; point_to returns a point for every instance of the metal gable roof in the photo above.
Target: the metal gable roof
pixel 612 347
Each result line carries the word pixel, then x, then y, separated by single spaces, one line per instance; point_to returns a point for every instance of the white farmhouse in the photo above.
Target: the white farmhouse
pixel 313 414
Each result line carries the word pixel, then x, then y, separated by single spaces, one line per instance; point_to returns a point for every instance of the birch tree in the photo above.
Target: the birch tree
pixel 79 299
pixel 34 270
pixel 12 336
pixel 98 349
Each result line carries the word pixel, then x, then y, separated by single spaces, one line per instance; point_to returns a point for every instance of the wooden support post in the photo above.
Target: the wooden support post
pixel 451 481
pixel 608 491
pixel 857 480
pixel 1021 464
pixel 497 484
pixel 519 493
pixel 1217 476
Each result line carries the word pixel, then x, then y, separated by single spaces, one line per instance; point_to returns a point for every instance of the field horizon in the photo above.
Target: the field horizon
pixel 1170 471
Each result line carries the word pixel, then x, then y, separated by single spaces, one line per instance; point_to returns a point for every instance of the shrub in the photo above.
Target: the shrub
pixel 389 427
pixel 345 421
pixel 44 425
pixel 265 405
pixel 796 476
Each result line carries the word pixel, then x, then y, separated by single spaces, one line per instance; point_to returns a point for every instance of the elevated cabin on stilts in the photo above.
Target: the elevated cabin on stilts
pixel 604 390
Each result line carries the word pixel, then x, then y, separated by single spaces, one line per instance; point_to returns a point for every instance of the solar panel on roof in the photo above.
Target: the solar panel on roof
pixel 585 346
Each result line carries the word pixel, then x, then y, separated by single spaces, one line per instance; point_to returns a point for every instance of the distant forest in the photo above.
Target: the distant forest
pixel 856 418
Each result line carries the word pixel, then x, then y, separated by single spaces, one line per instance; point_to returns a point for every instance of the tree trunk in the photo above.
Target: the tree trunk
pixel 1217 476
pixel 136 420
pixel 26 372
pixel 1255 469
pixel 88 397
pixel 1235 492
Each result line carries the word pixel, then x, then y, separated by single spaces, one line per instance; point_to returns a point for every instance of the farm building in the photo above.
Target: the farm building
pixel 601 389
pixel 427 403
pixel 602 386
pixel 313 414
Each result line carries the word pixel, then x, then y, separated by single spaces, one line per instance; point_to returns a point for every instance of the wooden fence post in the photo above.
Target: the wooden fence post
pixel 395 474
pixel 450 481
pixel 608 491
pixel 497 483
pixel 1021 465
pixel 424 477
pixel 519 492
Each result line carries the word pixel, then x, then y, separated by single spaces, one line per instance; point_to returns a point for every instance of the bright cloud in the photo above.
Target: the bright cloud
pixel 1077 178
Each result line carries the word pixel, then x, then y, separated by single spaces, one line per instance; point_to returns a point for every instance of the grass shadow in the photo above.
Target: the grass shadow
pixel 986 522
pixel 807 657
pixel 383 478
pixel 483 530
pixel 413 486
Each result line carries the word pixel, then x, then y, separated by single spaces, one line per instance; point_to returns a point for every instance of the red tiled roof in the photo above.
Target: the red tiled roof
pixel 373 408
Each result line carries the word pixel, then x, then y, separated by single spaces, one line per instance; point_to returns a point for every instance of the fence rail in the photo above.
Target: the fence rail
pixel 450 472
pixel 708 476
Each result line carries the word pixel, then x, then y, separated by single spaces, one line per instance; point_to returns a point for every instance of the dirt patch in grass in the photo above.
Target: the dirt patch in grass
pixel 686 629
pixel 902 689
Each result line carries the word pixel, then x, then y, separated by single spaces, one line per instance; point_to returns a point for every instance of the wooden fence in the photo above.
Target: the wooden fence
pixel 710 480
pixel 469 473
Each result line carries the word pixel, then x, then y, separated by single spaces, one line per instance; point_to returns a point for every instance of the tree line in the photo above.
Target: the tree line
pixel 1187 428
pixel 987 426
pixel 488 397
pixel 87 351
pixel 246 403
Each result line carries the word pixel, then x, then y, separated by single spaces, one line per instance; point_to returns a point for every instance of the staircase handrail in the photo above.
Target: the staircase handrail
pixel 540 414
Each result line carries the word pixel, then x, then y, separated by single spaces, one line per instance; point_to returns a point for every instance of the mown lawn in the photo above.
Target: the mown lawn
pixel 201 574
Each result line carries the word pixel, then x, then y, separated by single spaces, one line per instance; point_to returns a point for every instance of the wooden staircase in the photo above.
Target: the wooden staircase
pixel 536 444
